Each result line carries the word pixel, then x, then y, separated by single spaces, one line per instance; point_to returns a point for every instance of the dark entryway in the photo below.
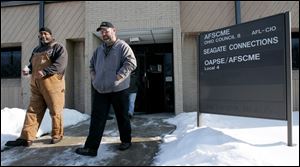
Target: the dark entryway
pixel 155 75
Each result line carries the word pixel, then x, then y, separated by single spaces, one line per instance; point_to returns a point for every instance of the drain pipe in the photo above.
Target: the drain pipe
pixel 42 14
pixel 237 12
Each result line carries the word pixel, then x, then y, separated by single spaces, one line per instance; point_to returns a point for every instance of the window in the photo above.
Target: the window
pixel 11 62
pixel 295 50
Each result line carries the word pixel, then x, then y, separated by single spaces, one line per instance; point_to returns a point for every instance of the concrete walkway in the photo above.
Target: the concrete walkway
pixel 147 132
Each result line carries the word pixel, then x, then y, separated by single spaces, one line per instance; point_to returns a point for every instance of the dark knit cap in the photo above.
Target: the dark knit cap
pixel 45 29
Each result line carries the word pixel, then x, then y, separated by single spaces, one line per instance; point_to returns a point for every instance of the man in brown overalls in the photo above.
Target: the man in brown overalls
pixel 47 66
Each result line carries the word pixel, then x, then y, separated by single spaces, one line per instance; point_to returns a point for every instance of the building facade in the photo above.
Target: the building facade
pixel 163 35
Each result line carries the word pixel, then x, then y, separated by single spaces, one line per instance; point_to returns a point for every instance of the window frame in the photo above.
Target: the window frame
pixel 12 67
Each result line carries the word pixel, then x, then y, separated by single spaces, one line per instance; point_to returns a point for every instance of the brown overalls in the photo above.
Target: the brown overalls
pixel 48 91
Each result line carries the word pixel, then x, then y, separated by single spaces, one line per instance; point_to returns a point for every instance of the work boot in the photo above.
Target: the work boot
pixel 19 142
pixel 86 151
pixel 124 146
pixel 55 140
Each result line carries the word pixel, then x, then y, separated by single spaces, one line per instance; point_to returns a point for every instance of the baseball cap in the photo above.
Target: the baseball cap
pixel 105 24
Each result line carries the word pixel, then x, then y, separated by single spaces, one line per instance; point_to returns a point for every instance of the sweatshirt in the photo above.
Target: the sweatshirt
pixel 108 62
pixel 58 56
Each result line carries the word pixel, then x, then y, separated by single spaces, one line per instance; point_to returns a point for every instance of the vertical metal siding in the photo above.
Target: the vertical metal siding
pixel 65 19
pixel 197 16
pixel 20 24
pixel 251 10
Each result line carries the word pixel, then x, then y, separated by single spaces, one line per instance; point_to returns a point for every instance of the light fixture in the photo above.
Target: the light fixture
pixel 134 39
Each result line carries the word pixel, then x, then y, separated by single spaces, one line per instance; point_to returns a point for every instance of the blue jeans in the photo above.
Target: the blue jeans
pixel 132 97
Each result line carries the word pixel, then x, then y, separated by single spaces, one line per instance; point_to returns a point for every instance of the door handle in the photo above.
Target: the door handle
pixel 146 81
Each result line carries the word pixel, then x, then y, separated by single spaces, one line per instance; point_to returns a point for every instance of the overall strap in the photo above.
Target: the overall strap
pixel 52 44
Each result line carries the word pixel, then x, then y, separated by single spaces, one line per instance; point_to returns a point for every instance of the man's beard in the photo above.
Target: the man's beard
pixel 108 41
pixel 45 42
